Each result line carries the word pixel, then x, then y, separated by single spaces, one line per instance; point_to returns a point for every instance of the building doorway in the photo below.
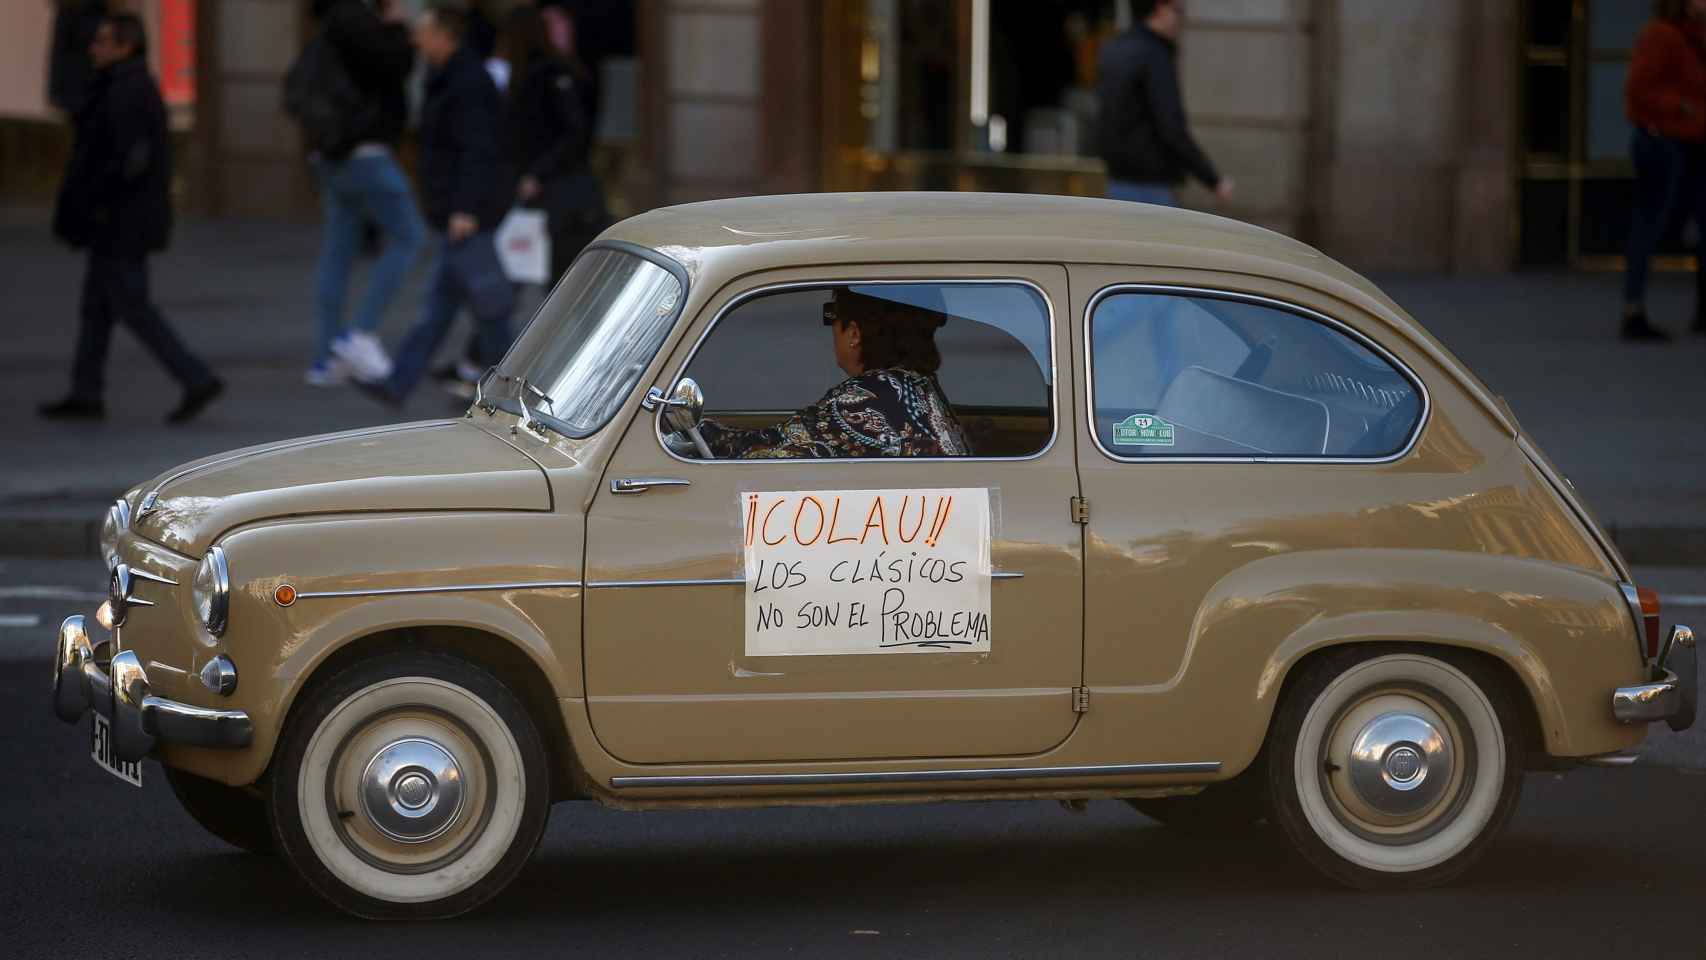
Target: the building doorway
pixel 963 94
pixel 1576 178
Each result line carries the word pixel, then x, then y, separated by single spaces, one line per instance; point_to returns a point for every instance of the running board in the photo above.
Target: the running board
pixel 916 776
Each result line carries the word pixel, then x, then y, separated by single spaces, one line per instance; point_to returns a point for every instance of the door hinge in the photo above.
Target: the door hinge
pixel 1080 699
pixel 1080 510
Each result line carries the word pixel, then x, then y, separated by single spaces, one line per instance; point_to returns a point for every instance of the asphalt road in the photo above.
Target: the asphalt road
pixel 1596 862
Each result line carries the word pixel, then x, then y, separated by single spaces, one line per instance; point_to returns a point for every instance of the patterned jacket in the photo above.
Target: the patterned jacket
pixel 880 413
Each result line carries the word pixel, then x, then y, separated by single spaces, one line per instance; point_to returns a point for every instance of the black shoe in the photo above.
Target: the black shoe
pixel 73 408
pixel 1636 329
pixel 380 393
pixel 195 401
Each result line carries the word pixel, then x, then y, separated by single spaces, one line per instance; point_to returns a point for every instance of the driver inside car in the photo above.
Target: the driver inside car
pixel 890 405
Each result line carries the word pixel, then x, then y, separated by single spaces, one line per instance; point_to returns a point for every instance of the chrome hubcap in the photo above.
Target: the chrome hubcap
pixel 1393 764
pixel 411 790
pixel 1392 759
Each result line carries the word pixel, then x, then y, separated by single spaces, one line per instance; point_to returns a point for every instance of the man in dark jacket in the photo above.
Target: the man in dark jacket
pixel 116 202
pixel 69 72
pixel 466 189
pixel 1145 141
pixel 364 184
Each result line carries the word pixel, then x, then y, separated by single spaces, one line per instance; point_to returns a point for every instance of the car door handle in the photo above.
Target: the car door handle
pixel 642 484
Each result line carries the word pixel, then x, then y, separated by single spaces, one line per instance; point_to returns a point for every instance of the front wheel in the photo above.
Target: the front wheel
pixel 410 784
pixel 1394 770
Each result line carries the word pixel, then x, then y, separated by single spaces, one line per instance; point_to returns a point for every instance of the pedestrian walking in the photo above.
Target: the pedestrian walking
pixel 549 107
pixel 69 72
pixel 116 203
pixel 549 130
pixel 1146 142
pixel 347 91
pixel 1665 99
pixel 466 190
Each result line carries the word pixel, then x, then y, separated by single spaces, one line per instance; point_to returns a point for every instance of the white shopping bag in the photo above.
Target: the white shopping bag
pixel 524 246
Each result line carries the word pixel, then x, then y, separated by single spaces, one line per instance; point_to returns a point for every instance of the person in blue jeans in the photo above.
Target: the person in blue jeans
pixel 365 185
pixel 466 189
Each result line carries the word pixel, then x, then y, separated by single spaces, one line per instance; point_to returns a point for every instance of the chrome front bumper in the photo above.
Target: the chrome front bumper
pixel 120 693
pixel 1672 692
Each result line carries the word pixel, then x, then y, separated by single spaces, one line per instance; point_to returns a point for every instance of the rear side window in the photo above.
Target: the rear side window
pixel 1175 375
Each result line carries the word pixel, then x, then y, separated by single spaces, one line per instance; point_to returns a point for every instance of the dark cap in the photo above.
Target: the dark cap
pixel 917 303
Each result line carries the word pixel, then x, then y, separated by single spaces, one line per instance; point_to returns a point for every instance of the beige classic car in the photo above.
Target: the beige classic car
pixel 886 497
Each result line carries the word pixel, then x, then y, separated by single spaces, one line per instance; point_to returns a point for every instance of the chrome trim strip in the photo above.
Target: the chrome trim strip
pixel 700 582
pixel 448 588
pixel 1632 597
pixel 147 502
pixel 151 577
pixel 1609 760
pixel 727 581
pixel 1053 363
pixel 918 776
pixel 1261 301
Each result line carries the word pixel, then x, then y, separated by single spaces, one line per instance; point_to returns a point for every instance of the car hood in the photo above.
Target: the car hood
pixel 437 465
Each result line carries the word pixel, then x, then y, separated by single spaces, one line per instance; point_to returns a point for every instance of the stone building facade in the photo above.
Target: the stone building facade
pixel 1398 134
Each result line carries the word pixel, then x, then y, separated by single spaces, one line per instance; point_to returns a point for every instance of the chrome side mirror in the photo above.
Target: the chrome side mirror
pixel 685 408
pixel 683 411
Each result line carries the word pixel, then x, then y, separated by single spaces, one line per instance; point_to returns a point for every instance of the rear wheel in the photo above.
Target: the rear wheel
pixel 1394 770
pixel 411 784
pixel 234 815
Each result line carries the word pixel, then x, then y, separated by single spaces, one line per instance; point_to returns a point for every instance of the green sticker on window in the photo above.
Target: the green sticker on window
pixel 1141 429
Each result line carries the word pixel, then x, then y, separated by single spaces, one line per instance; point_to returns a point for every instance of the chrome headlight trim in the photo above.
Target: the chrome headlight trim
pixel 116 522
pixel 211 591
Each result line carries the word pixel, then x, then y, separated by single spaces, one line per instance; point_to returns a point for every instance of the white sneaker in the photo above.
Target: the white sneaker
pixel 366 358
pixel 332 372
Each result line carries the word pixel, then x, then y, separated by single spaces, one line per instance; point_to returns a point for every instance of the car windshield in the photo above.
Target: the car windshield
pixel 590 341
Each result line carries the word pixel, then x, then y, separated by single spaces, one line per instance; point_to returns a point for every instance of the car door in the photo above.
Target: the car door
pixel 673 675
pixel 1227 435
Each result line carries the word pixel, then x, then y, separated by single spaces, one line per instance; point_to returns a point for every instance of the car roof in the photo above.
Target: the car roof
pixel 740 235
pixel 719 240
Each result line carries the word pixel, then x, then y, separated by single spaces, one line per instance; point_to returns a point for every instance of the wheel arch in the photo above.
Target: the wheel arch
pixel 1483 662
pixel 508 660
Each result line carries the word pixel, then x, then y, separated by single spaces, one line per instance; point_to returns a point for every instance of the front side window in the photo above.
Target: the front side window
pixel 1176 375
pixel 878 370
pixel 591 340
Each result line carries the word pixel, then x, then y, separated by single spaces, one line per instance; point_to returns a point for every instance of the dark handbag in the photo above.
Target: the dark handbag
pixel 475 266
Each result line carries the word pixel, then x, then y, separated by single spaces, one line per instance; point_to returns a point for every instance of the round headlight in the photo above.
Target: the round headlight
pixel 211 591
pixel 116 523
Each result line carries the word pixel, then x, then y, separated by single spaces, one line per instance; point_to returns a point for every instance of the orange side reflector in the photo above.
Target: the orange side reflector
pixel 285 595
pixel 1650 617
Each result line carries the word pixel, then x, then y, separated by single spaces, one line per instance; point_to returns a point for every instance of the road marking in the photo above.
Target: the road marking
pixel 49 593
pixel 19 620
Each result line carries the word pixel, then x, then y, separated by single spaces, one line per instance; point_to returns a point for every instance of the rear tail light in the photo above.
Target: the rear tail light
pixel 1650 618
pixel 1644 606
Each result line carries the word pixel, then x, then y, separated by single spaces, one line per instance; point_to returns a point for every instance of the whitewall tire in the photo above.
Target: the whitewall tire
pixel 1394 768
pixel 411 784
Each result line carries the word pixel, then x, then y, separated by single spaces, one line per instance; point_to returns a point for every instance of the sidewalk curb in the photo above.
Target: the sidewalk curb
pixel 71 532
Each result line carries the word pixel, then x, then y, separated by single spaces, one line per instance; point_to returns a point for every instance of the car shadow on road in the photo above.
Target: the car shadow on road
pixel 717 862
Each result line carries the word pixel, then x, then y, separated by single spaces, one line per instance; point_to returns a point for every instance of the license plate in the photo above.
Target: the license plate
pixel 101 751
